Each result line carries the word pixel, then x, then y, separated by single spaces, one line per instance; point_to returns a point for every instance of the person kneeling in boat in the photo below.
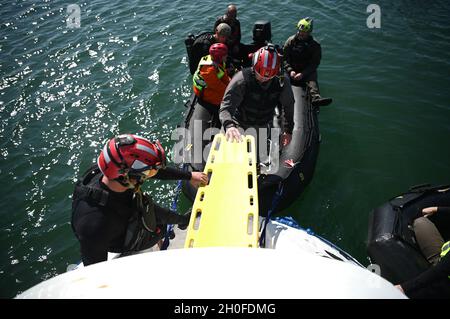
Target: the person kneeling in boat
pixel 109 210
pixel 435 281
pixel 253 94
pixel 209 83
pixel 302 55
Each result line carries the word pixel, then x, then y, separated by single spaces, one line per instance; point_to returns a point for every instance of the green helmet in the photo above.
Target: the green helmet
pixel 305 25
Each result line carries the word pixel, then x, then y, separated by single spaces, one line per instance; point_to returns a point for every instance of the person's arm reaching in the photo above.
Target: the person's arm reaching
pixel 233 97
pixel 171 173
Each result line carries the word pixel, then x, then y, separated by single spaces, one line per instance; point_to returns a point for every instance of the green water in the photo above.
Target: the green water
pixel 64 92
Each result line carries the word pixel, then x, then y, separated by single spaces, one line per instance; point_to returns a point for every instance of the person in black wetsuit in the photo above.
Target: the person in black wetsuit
pixel 109 210
pixel 435 281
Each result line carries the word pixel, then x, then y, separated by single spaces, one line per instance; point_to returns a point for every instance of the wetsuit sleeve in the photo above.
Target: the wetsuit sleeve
pixel 434 276
pixel 171 173
pixel 166 216
pixel 315 61
pixel 287 53
pixel 287 101
pixel 88 225
pixel 232 98
pixel 443 210
pixel 440 210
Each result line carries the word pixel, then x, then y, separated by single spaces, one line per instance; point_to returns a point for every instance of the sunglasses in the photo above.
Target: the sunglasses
pixel 143 175
pixel 150 172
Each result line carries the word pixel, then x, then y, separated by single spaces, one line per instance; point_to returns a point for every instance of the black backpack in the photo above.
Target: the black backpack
pixel 197 47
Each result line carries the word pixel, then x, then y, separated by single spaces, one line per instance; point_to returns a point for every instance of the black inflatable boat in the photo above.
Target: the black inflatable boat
pixel 280 185
pixel 391 241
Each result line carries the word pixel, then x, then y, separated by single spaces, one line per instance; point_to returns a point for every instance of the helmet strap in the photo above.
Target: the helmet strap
pixel 137 188
pixel 280 78
pixel 138 179
pixel 125 182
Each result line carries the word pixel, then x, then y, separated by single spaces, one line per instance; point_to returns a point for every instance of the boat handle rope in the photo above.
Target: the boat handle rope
pixel 173 207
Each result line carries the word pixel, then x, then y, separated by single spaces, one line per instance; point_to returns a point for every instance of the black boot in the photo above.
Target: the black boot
pixel 317 100
pixel 321 101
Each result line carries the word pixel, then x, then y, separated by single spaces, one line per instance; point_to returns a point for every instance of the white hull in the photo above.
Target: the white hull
pixel 295 268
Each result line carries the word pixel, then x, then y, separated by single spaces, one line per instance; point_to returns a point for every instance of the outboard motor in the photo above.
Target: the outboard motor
pixel 262 32
pixel 262 35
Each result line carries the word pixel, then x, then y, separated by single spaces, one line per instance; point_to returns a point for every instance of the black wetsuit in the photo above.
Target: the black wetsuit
pixel 100 229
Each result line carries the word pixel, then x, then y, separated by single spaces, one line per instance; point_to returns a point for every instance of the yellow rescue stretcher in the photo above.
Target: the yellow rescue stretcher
pixel 225 212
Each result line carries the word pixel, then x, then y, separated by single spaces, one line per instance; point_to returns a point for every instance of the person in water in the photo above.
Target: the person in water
pixel 302 55
pixel 253 94
pixel 110 213
pixel 435 281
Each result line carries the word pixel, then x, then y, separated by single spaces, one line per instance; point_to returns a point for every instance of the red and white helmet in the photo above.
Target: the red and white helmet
pixel 267 62
pixel 130 155
pixel 218 51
